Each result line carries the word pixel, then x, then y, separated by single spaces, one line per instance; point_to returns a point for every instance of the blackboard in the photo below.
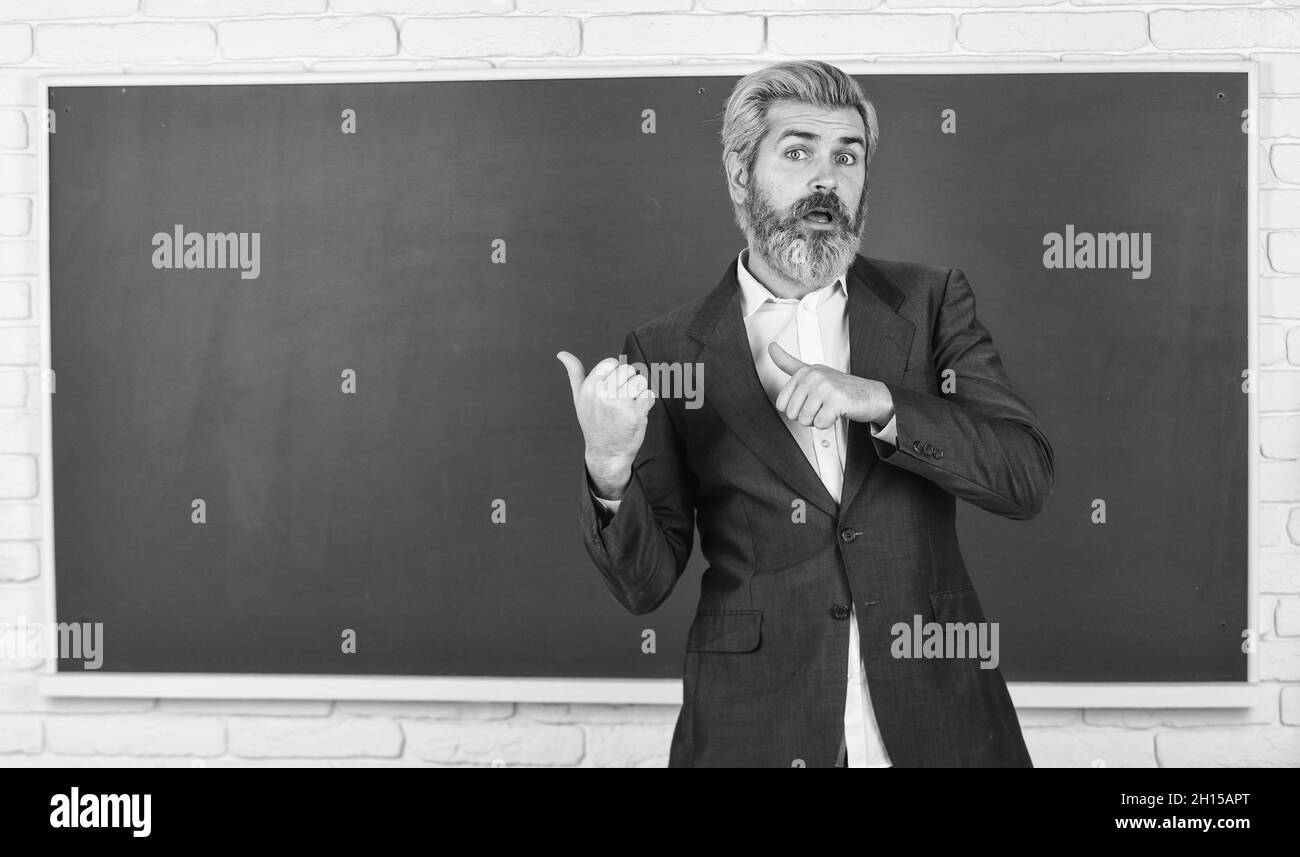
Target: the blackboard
pixel 381 253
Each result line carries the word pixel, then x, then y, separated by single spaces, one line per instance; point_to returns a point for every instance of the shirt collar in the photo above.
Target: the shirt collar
pixel 754 294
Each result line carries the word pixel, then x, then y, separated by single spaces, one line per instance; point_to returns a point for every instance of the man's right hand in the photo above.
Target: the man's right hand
pixel 613 404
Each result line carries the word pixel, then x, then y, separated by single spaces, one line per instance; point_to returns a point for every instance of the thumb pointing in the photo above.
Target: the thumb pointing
pixel 573 366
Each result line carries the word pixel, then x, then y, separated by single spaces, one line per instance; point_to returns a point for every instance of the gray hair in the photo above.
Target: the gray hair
pixel 810 81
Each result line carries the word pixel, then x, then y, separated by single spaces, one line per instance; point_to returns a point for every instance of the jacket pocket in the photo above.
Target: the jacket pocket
pixel 956 605
pixel 725 631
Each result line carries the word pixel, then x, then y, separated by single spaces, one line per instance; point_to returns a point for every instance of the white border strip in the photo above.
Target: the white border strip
pixel 577 690
pixel 655 691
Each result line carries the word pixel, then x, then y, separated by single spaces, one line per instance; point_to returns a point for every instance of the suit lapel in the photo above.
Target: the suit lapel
pixel 734 390
pixel 879 342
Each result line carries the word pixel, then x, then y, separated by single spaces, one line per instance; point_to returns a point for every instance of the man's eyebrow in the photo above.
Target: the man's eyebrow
pixel 808 135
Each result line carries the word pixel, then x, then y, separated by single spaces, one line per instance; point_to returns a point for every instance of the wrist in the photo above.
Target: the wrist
pixel 609 476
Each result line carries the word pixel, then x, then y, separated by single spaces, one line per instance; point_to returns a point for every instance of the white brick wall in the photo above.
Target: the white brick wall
pixel 168 36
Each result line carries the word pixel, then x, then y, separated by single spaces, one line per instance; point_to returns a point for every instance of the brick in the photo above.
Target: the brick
pixel 1286 619
pixel 1293 346
pixel 491 37
pixel 247 707
pixel 628 746
pixel 20 432
pixel 314 737
pixel 19 735
pixel 1073 747
pixel 1251 747
pixel 1279 572
pixel 802 6
pixel 1284 159
pixel 1279 659
pixel 1279 297
pixel 19 561
pixel 1279 391
pixel 19 346
pixel 592 713
pixel 1271 525
pixel 1279 73
pixel 431 710
pixel 134 735
pixel 426 7
pixel 15 43
pixel 320 37
pixel 95 43
pixel 1279 437
pixel 231 8
pixel 1052 31
pixel 642 35
pixel 1279 481
pixel 18 173
pixel 503 742
pixel 1279 117
pixel 46 10
pixel 1293 528
pixel 1291 705
pixel 15 299
pixel 859 34
pixel 13 129
pixel 15 216
pixel 1272 344
pixel 1279 209
pixel 13 385
pixel 19 520
pixel 1224 28
pixel 18 477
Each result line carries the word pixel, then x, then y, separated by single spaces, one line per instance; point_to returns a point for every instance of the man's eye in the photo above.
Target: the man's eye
pixel 851 159
pixel 794 151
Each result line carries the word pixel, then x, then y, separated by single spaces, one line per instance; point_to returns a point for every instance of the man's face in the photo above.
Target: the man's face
pixel 805 205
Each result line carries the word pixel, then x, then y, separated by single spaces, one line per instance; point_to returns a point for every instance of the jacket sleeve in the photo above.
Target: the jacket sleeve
pixel 642 550
pixel 981 442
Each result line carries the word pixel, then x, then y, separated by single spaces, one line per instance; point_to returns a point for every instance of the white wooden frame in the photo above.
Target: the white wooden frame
pixel 242 686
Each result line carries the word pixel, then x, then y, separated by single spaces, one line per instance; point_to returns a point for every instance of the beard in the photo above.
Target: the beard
pixel 805 255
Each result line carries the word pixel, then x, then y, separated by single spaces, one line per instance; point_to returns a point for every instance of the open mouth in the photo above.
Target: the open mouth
pixel 819 215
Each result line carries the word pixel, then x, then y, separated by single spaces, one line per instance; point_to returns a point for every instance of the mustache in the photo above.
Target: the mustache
pixel 825 202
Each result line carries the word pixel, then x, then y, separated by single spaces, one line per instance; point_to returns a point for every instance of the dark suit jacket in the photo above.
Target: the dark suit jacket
pixel 765 672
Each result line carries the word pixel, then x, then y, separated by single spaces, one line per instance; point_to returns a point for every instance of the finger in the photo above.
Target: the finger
pixel 797 398
pixel 611 383
pixel 573 366
pixel 811 406
pixel 632 387
pixel 786 363
pixel 783 397
pixel 826 417
pixel 601 370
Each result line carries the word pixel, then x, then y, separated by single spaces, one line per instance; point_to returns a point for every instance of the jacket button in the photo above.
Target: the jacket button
pixel 840 611
pixel 917 445
pixel 848 534
pixel 938 453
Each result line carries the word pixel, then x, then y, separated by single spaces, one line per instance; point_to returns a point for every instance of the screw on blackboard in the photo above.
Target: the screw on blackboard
pixel 700 90
pixel 1220 96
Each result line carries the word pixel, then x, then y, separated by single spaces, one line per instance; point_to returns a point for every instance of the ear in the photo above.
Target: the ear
pixel 737 178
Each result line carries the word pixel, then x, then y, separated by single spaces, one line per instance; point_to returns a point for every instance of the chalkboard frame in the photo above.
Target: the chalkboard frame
pixel 661 691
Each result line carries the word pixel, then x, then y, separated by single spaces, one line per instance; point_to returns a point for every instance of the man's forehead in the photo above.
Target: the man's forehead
pixel 786 116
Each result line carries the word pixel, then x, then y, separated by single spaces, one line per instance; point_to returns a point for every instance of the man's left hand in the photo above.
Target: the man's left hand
pixel 818 395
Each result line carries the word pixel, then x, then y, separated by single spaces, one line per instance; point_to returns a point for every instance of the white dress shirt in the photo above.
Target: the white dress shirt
pixel 815 329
